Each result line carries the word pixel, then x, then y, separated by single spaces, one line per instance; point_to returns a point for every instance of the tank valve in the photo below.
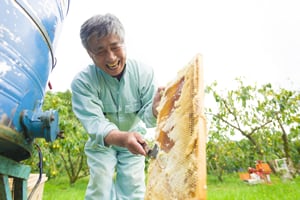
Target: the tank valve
pixel 39 124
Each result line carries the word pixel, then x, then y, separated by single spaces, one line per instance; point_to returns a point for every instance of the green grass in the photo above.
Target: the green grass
pixel 234 189
pixel 60 189
pixel 231 189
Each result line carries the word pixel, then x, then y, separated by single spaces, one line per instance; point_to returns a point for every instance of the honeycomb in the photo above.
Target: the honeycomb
pixel 179 170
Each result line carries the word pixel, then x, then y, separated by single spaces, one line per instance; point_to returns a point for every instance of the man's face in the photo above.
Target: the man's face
pixel 108 53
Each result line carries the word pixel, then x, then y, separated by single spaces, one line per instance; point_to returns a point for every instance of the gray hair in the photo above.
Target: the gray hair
pixel 101 25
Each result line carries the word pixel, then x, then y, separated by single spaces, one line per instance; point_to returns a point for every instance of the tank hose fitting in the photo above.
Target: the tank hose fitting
pixel 39 124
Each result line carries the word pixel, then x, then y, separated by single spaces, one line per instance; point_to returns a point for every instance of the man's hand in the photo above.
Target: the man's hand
pixel 156 100
pixel 133 141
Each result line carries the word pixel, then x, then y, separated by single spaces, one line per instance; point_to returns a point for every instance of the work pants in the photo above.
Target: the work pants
pixel 115 174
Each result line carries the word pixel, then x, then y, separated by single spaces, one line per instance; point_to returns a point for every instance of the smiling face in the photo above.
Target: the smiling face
pixel 108 53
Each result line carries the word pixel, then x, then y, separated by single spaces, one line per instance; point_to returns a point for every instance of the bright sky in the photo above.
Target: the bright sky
pixel 255 39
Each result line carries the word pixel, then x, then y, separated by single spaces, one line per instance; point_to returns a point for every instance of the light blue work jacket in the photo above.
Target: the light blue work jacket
pixel 103 103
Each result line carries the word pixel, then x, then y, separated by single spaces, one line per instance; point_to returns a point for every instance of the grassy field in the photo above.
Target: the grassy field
pixel 234 189
pixel 231 189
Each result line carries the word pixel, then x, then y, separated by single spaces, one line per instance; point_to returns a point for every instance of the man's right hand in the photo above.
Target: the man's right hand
pixel 133 141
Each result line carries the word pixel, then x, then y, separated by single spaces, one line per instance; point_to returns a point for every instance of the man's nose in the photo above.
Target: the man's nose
pixel 110 55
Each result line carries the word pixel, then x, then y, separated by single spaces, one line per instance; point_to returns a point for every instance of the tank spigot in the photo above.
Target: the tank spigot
pixel 39 124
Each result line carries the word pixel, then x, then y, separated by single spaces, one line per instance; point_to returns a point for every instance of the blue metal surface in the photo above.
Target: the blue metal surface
pixel 41 124
pixel 29 30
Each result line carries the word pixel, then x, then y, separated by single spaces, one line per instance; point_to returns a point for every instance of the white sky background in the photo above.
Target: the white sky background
pixel 255 39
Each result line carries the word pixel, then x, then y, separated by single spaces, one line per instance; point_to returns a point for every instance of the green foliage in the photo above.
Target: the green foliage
pixel 266 118
pixel 64 155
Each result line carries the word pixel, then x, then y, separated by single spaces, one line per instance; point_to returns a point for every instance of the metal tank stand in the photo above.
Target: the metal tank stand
pixel 19 174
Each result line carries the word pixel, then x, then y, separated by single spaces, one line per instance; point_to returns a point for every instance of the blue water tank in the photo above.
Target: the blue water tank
pixel 29 31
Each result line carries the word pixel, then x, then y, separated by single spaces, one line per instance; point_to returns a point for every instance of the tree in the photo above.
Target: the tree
pixel 64 154
pixel 283 107
pixel 223 155
pixel 261 115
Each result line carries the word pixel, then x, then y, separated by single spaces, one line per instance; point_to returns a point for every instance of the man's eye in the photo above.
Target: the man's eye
pixel 115 48
pixel 102 52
